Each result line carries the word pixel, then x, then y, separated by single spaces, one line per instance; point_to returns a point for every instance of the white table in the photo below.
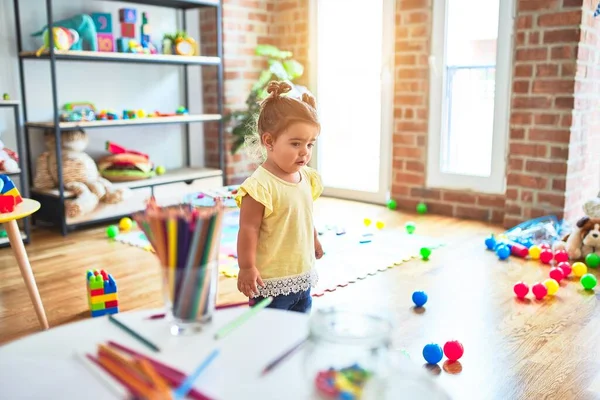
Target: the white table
pixel 46 365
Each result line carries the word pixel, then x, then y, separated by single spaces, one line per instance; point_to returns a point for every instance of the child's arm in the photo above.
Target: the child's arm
pixel 318 248
pixel 251 214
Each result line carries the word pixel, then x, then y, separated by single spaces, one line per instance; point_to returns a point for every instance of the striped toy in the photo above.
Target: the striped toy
pixel 102 293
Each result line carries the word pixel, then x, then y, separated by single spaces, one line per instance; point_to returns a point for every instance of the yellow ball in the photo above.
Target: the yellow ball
pixel 367 221
pixel 125 224
pixel 379 225
pixel 534 252
pixel 551 285
pixel 579 269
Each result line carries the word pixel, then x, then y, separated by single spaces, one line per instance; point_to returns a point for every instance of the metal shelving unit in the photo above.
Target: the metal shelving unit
pixel 22 174
pixel 53 202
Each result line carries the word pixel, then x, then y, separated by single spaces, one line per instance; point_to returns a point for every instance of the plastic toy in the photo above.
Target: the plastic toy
pixel 521 290
pixel 102 293
pixel 63 40
pixel 537 231
pixel 592 260
pixel 453 350
pixel 565 268
pixel 419 298
pixel 106 42
pixel 84 27
pixel 125 165
pixel 422 208
pixel 125 224
pixel 5 97
pixel 561 256
pixel 579 269
pixel 160 170
pixel 392 204
pixel 588 281
pixel 9 159
pixel 344 384
pixel 112 231
pixel 128 15
pixel 539 290
pixel 410 227
pixel 502 251
pixel 432 353
pixel 425 253
pixel 552 286
pixel 102 22
pixel 557 274
pixel 9 195
pixel 534 252
pixel 145 30
pixel 546 256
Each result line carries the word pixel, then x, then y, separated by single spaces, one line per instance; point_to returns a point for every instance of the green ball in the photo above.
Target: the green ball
pixel 410 227
pixel 588 281
pixel 425 253
pixel 421 208
pixel 592 260
pixel 112 231
pixel 6 96
pixel 392 204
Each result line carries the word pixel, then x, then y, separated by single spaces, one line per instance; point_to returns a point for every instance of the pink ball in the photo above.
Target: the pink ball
pixel 539 290
pixel 521 289
pixel 546 256
pixel 566 268
pixel 557 274
pixel 561 256
pixel 453 350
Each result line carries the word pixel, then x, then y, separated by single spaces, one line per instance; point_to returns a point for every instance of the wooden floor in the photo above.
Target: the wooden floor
pixel 513 350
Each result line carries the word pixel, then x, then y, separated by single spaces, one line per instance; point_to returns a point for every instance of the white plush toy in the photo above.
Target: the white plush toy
pixel 9 160
pixel 592 207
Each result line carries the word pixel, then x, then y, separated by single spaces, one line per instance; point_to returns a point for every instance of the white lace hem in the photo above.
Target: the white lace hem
pixel 289 284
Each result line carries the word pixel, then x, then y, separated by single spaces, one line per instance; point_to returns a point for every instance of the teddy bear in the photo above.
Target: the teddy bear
pixel 9 160
pixel 584 239
pixel 80 174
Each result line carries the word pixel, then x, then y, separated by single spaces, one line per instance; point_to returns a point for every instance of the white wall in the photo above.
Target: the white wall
pixel 108 85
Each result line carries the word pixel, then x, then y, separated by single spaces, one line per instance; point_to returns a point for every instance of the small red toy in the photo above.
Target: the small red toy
pixel 544 246
pixel 557 274
pixel 561 256
pixel 566 268
pixel 546 256
pixel 521 290
pixel 539 290
pixel 453 350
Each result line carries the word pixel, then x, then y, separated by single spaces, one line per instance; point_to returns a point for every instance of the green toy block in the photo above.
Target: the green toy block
pixel 99 306
pixel 96 282
pixel 103 22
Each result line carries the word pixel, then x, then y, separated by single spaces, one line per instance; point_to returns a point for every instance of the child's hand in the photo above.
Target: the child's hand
pixel 318 249
pixel 247 280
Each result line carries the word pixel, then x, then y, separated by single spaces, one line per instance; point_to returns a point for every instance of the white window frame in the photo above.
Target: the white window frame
pixel 387 104
pixel 496 182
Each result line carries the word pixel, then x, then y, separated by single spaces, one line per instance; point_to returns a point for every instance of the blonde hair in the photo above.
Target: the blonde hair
pixel 277 113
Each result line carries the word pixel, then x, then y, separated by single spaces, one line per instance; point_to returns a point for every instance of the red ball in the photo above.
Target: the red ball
pixel 557 274
pixel 544 246
pixel 561 256
pixel 521 289
pixel 566 268
pixel 546 256
pixel 539 290
pixel 453 350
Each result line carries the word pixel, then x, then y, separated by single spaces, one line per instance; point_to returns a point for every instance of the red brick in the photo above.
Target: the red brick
pixel 408 152
pixel 531 181
pixel 568 69
pixel 414 4
pixel 564 102
pixel 546 119
pixel 512 194
pixel 531 102
pixel 546 70
pixel 400 191
pixel 497 216
pixel 515 164
pixel 566 120
pixel 527 196
pixel 550 135
pixel 517 133
pixel 527 149
pixel 546 167
pixel 405 59
pixel 538 5
pixel 411 126
pixel 563 18
pixel 523 71
pixel 418 17
pixel 557 200
pixel 533 38
pixel 553 86
pixel 563 52
pixel 572 3
pixel 521 86
pixel 520 118
pixel 481 214
pixel 560 153
pixel 570 35
pixel 460 197
pixel 397 165
pixel 524 22
pixel 513 209
pixel 409 99
pixel 510 221
pixel 415 166
pixel 405 139
pixel 491 201
pixel 423 193
pixel 409 178
pixel 440 208
pixel 532 54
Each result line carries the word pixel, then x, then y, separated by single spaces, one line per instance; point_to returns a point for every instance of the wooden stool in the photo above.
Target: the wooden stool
pixel 25 209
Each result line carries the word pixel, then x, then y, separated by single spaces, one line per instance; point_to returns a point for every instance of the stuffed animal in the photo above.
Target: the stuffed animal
pixel 83 25
pixel 9 160
pixel 583 240
pixel 592 207
pixel 80 174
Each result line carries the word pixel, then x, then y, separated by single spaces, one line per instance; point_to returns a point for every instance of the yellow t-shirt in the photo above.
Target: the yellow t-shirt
pixel 285 255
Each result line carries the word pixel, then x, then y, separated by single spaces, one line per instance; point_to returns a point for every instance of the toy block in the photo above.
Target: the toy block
pixel 7 204
pixel 128 30
pixel 101 293
pixel 106 42
pixel 98 313
pixel 96 282
pixel 99 306
pixel 112 310
pixel 111 304
pixel 96 292
pixel 103 22
pixel 8 188
pixel 128 15
pixel 123 45
pixel 110 286
pixel 104 298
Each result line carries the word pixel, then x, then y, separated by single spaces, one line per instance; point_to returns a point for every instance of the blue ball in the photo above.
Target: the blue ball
pixel 490 243
pixel 419 298
pixel 433 353
pixel 503 252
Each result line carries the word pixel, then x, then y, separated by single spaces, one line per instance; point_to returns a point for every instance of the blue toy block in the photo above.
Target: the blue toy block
pixel 110 286
pixel 128 15
pixel 123 45
pixel 113 310
pixel 103 22
pixel 7 184
pixel 99 313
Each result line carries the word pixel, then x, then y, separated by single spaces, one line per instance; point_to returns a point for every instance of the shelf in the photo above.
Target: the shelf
pixel 5 243
pixel 10 103
pixel 178 119
pixel 83 55
pixel 10 173
pixel 184 4
pixel 173 176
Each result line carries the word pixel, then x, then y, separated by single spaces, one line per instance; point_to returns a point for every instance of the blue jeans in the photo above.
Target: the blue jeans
pixel 299 302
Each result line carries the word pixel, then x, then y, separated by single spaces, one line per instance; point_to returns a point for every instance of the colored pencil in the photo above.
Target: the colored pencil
pixel 186 385
pixel 284 356
pixel 218 307
pixel 133 333
pixel 227 329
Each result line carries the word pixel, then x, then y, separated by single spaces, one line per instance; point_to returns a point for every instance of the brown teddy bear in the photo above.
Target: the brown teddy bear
pixel 583 240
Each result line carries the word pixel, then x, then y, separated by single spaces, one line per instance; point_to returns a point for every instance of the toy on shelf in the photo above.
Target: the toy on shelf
pixel 6 97
pixel 128 43
pixel 125 165
pixel 9 195
pixel 83 26
pixel 104 115
pixel 101 293
pixel 78 111
pixel 103 23
pixel 180 44
pixel 9 160
pixel 64 39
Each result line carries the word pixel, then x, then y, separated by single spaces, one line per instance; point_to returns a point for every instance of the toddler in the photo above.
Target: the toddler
pixel 277 242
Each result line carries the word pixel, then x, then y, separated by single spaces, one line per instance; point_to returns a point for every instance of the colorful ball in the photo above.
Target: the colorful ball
pixel 490 242
pixel 561 256
pixel 546 256
pixel 579 269
pixel 125 224
pixel 588 281
pixel 539 290
pixel 552 286
pixel 566 268
pixel 425 253
pixel 160 170
pixel 557 274
pixel 392 204
pixel 419 298
pixel 421 208
pixel 432 353
pixel 544 246
pixel 410 227
pixel 112 231
pixel 521 289
pixel 367 221
pixel 379 225
pixel 453 350
pixel 592 260
pixel 534 252
pixel 503 252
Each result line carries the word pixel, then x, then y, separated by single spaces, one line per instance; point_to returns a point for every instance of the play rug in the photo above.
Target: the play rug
pixel 349 257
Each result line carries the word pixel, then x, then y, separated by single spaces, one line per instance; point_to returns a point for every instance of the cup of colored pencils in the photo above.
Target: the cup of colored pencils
pixel 186 241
